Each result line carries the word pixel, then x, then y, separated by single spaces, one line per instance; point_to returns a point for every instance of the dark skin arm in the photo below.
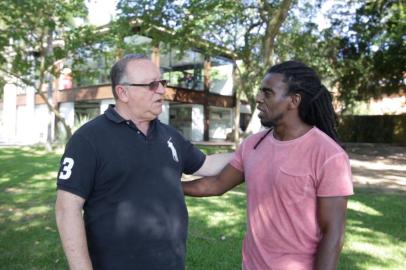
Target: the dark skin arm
pixel 331 213
pixel 217 185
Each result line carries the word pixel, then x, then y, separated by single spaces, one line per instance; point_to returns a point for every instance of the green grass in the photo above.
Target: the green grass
pixel 376 238
pixel 28 236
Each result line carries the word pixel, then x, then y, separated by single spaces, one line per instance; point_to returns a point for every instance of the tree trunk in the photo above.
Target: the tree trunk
pixel 237 120
pixel 44 72
pixel 272 30
pixel 58 115
pixel 206 83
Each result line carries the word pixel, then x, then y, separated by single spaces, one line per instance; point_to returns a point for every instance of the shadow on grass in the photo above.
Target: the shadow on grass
pixel 28 235
pixel 216 229
pixel 29 239
pixel 375 231
pixel 369 235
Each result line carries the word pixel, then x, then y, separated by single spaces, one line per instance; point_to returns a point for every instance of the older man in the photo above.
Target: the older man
pixel 123 169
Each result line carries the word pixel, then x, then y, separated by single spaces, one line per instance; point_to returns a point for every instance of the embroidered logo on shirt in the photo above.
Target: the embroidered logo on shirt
pixel 173 150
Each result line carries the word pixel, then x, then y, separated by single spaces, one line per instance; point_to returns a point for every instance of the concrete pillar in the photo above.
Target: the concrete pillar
pixel 9 112
pixel 21 125
pixel 164 116
pixel 30 138
pixel 41 122
pixel 197 123
pixel 155 55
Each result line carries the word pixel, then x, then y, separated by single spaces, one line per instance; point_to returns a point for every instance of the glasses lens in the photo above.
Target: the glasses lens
pixel 155 84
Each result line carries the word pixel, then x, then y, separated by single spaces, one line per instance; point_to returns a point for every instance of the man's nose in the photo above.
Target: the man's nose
pixel 161 89
pixel 259 97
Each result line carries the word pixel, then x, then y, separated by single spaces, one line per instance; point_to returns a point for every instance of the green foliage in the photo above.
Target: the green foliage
pixel 2 84
pixel 212 149
pixel 300 39
pixel 371 51
pixel 373 128
pixel 234 27
pixel 32 30
pixel 35 36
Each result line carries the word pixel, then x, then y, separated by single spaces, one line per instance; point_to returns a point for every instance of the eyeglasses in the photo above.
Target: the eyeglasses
pixel 153 86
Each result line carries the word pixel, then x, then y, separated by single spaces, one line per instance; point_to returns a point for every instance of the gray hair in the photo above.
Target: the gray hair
pixel 118 71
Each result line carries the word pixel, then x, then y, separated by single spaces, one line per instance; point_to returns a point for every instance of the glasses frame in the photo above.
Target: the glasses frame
pixel 152 86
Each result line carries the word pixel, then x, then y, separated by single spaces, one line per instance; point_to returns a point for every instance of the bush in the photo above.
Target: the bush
pixel 373 128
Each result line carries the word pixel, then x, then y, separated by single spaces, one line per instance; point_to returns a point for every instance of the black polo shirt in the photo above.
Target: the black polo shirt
pixel 135 213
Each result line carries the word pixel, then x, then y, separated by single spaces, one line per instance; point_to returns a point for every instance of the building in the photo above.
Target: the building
pixel 199 100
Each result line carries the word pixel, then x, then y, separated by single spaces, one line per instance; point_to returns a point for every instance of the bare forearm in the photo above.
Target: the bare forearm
pixel 202 187
pixel 72 232
pixel 214 185
pixel 328 252
pixel 331 217
pixel 214 164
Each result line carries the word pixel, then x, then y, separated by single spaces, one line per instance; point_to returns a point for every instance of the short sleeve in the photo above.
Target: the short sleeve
pixel 77 167
pixel 334 178
pixel 237 160
pixel 193 158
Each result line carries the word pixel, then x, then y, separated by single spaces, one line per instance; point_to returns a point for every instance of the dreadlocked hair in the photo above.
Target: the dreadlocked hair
pixel 316 106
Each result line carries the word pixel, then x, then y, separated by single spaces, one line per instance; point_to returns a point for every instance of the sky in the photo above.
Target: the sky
pixel 101 11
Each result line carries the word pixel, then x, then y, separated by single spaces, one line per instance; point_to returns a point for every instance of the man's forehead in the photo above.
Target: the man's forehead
pixel 138 63
pixel 273 78
pixel 142 66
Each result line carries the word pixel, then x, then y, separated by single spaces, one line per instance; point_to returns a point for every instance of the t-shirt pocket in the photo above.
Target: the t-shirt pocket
pixel 292 186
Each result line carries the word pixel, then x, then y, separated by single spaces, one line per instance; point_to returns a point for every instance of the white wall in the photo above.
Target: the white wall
pixel 224 84
pixel 221 122
pixel 2 136
pixel 164 116
pixel 25 122
pixel 29 116
pixel 67 110
pixel 9 113
pixel 21 135
pixel 41 116
pixel 197 123
pixel 104 104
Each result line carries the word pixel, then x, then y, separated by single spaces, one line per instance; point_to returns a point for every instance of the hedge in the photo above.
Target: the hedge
pixel 373 128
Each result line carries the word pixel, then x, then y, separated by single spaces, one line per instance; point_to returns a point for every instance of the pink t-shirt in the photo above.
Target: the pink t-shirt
pixel 283 180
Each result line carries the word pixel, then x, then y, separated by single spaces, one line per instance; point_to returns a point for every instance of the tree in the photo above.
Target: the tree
pixel 370 57
pixel 34 36
pixel 247 28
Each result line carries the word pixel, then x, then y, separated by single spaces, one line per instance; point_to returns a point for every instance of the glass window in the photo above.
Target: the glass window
pixel 92 66
pixel 86 110
pixel 182 69
pixel 221 76
pixel 221 122
pixel 180 117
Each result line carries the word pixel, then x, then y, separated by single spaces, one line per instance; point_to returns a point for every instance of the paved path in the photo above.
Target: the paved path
pixel 375 166
pixel 378 166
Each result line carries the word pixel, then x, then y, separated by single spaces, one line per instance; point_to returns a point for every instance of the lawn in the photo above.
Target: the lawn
pixel 376 238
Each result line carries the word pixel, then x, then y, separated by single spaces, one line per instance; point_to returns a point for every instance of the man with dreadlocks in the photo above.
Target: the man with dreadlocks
pixel 297 176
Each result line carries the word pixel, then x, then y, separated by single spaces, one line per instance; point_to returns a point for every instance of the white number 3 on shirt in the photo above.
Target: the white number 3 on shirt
pixel 66 170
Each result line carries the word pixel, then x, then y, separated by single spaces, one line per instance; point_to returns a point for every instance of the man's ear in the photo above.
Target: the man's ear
pixel 296 99
pixel 122 93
